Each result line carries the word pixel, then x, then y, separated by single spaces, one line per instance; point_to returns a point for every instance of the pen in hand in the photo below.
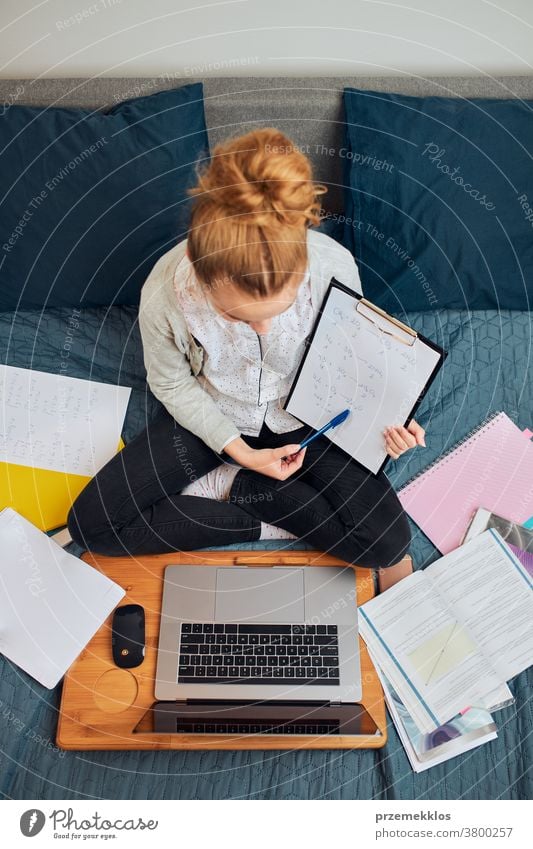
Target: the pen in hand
pixel 335 422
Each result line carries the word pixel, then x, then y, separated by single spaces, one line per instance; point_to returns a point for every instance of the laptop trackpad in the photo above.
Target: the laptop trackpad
pixel 260 595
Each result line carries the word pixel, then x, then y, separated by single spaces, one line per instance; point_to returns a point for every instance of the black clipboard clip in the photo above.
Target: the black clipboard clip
pixel 408 330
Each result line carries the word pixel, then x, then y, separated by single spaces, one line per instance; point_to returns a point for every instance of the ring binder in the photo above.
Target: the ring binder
pixel 489 419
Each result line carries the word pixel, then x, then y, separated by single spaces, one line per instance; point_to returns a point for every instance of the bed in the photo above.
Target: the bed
pixel 488 368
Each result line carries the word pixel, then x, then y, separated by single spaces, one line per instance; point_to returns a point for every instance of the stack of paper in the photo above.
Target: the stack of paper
pixel 51 603
pixel 466 731
pixel 56 432
pixel 452 635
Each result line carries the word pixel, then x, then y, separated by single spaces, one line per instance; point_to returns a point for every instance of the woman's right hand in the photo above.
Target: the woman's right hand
pixel 278 463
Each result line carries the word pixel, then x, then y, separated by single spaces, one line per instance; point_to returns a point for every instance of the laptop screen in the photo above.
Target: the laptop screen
pixel 306 719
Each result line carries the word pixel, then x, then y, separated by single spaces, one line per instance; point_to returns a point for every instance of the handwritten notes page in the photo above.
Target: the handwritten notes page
pixel 60 423
pixel 352 364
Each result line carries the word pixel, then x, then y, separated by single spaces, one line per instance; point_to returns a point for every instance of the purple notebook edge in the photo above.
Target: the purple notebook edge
pixel 525 557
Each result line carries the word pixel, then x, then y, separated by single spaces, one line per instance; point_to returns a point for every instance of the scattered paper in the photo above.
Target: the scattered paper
pixel 64 424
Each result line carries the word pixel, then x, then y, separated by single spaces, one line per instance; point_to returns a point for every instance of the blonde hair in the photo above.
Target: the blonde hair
pixel 251 209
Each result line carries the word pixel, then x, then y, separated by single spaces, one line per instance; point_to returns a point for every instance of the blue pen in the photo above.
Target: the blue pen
pixel 335 422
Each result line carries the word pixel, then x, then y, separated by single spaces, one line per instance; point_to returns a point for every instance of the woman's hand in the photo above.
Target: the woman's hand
pixel 278 463
pixel 400 439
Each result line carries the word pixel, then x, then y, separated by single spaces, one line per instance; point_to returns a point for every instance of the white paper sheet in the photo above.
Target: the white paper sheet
pixel 450 636
pixel 496 606
pixel 60 423
pixel 51 603
pixel 438 670
pixel 352 364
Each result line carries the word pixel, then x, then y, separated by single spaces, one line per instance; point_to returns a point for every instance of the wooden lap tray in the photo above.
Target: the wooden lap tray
pixel 101 704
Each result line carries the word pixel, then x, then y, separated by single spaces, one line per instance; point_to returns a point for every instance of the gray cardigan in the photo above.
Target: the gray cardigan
pixel 172 357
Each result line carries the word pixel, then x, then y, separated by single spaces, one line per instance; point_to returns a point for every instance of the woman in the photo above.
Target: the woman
pixel 224 316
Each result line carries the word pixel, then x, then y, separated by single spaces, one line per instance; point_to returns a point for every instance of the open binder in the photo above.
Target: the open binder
pixel 360 357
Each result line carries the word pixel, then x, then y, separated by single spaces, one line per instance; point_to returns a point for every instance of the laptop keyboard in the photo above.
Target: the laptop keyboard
pixel 213 653
pixel 256 726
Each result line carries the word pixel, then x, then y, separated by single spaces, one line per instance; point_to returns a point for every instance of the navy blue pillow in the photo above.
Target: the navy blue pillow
pixel 91 199
pixel 439 200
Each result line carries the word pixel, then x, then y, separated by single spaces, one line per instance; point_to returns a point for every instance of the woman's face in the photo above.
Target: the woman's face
pixel 236 305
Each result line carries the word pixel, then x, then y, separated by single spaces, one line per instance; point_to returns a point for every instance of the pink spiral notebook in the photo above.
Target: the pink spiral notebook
pixel 492 467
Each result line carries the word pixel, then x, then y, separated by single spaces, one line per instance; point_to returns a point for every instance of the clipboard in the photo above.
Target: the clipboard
pixel 329 377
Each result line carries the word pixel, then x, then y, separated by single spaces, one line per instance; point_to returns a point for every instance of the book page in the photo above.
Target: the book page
pixel 353 364
pixel 60 423
pixel 430 657
pixel 492 594
pixel 464 732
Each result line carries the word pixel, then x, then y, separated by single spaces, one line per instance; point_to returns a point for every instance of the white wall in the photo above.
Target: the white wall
pixel 65 38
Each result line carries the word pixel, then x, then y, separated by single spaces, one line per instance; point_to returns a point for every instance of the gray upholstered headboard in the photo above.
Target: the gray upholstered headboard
pixel 307 109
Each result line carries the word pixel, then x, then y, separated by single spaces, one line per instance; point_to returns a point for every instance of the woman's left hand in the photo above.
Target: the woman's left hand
pixel 400 439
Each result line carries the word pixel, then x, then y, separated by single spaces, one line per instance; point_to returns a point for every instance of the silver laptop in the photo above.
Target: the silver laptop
pixel 269 634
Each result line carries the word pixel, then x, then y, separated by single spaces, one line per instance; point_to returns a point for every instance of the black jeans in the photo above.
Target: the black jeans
pixel 134 506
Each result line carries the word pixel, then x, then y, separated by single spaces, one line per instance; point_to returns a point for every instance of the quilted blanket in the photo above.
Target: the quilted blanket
pixel 488 368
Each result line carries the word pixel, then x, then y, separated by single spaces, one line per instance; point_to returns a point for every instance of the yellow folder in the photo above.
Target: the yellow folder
pixel 42 496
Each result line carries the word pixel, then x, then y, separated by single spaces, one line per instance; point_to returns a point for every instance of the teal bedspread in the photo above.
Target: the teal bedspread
pixel 488 368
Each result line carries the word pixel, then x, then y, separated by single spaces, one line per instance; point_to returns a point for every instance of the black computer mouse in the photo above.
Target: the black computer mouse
pixel 128 636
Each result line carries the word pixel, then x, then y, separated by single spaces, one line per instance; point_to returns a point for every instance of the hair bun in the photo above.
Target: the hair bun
pixel 263 177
